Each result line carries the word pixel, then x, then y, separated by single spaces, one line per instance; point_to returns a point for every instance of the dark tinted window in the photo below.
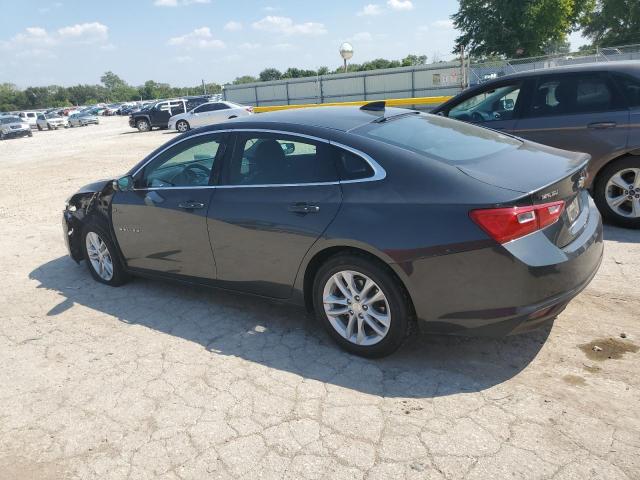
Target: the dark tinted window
pixel 5 120
pixel 177 107
pixel 571 94
pixel 441 138
pixel 488 106
pixel 351 166
pixel 630 87
pixel 207 107
pixel 269 159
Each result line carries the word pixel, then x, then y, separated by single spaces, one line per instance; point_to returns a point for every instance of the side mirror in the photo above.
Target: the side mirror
pixel 123 184
pixel 288 148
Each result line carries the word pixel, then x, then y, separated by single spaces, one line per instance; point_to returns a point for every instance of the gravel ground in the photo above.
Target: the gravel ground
pixel 154 380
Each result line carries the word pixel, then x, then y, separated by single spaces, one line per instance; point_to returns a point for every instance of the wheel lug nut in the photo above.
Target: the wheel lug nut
pixel 364 307
pixel 357 298
pixel 350 312
pixel 348 301
pixel 360 315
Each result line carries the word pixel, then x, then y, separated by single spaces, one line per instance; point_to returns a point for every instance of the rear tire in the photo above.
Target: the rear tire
pixel 617 192
pixel 102 258
pixel 393 306
pixel 39 127
pixel 143 125
pixel 182 126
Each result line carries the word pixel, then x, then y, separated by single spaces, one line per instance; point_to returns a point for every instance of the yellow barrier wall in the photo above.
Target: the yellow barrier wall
pixel 390 102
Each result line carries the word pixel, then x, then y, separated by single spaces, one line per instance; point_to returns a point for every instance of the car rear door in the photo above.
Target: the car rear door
pixel 495 106
pixel 278 195
pixel 161 225
pixel 582 112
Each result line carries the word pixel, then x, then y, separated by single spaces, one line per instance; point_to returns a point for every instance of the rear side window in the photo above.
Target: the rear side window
pixel 573 94
pixel 630 88
pixel 274 159
pixel 351 166
pixel 441 138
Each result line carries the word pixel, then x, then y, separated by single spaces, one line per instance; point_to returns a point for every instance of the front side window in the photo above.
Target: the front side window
pixel 186 164
pixel 31 115
pixel 490 105
pixel 273 159
pixel 177 107
pixel 203 108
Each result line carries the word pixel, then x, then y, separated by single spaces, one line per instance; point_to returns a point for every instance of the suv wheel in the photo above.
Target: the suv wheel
pixel 362 306
pixel 39 127
pixel 617 192
pixel 143 125
pixel 182 126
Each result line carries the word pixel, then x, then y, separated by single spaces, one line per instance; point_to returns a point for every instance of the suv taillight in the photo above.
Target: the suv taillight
pixel 506 224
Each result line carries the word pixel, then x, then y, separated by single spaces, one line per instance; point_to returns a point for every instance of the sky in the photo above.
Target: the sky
pixel 182 42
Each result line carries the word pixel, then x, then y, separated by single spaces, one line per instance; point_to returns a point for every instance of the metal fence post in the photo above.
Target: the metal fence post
pixel 364 86
pixel 321 92
pixel 413 82
pixel 286 88
pixel 255 92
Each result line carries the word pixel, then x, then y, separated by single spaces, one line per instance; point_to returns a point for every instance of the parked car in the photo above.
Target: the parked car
pixel 593 108
pixel 51 121
pixel 372 217
pixel 29 117
pixel 157 114
pixel 12 126
pixel 83 119
pixel 208 114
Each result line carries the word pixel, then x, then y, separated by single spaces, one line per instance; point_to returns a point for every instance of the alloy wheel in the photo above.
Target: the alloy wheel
pixel 99 256
pixel 182 127
pixel 623 192
pixel 356 307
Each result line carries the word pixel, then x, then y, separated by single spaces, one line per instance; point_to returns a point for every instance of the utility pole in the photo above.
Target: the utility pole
pixel 204 87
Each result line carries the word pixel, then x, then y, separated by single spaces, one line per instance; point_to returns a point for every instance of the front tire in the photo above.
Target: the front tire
pixel 617 192
pixel 362 305
pixel 102 257
pixel 143 125
pixel 182 126
pixel 39 127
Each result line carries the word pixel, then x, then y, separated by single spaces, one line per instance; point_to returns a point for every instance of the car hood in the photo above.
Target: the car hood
pixel 96 186
pixel 526 169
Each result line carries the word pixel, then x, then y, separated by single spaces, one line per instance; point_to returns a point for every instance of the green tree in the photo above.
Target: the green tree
pixel 557 47
pixel 269 74
pixel 613 22
pixel 245 79
pixel 323 71
pixel 522 28
pixel 412 60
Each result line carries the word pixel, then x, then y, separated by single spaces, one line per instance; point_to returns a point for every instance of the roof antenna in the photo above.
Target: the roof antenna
pixel 374 106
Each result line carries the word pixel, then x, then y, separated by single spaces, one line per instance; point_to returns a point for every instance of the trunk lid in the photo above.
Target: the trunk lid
pixel 545 175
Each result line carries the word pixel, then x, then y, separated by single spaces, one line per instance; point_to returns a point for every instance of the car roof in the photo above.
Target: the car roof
pixel 343 118
pixel 625 66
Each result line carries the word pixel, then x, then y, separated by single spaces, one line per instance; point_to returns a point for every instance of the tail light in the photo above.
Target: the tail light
pixel 506 224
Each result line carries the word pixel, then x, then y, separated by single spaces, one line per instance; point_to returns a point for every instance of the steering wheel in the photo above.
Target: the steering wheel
pixel 477 117
pixel 195 177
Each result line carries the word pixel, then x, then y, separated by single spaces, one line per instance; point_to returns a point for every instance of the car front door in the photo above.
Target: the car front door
pixel 200 115
pixel 582 112
pixel 497 106
pixel 278 195
pixel 161 225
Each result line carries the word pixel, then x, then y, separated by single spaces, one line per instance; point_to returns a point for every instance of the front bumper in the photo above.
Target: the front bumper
pixel 71 233
pixel 22 132
pixel 492 292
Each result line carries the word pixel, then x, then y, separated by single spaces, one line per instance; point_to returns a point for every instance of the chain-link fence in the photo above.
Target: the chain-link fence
pixel 483 71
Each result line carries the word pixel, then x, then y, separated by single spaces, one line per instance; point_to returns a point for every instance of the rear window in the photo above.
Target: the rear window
pixel 441 138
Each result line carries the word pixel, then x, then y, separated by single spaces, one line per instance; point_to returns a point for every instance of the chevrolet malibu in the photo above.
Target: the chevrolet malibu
pixel 374 218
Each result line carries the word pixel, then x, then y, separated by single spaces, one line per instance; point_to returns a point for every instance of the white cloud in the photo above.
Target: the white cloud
pixel 400 4
pixel 184 59
pixel 85 32
pixel 177 3
pixel 249 46
pixel 286 26
pixel 361 37
pixel 370 10
pixel 199 38
pixel 233 26
pixel 447 24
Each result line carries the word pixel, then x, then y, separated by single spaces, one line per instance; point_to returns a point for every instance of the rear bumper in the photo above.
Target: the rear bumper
pixel 493 292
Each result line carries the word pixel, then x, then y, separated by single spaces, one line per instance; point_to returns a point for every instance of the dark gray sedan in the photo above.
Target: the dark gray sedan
pixel 373 218
pixel 593 108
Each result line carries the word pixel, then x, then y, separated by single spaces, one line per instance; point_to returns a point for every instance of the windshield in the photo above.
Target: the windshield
pixel 5 120
pixel 52 115
pixel 448 140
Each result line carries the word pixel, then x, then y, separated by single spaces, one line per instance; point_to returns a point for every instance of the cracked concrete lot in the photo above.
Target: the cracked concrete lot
pixel 159 381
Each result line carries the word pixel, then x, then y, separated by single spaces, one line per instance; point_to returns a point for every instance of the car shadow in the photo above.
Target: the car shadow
pixel 286 338
pixel 622 235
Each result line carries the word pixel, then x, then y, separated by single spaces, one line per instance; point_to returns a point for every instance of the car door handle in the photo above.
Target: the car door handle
pixel 191 205
pixel 600 125
pixel 303 207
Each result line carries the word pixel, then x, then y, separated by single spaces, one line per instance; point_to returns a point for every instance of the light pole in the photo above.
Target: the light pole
pixel 346 52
